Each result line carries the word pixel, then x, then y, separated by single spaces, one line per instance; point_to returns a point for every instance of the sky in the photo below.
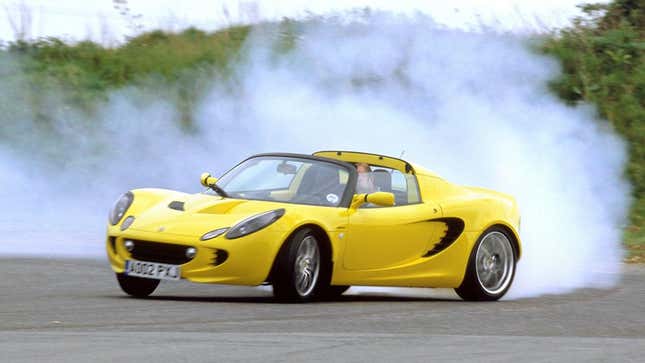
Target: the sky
pixel 100 21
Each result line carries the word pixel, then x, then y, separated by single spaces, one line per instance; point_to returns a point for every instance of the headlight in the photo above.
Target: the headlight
pixel 254 223
pixel 120 207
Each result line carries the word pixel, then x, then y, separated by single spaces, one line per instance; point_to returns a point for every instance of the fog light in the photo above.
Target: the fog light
pixel 191 252
pixel 129 245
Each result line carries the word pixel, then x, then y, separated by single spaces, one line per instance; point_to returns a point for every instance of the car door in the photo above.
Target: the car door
pixel 381 238
pixel 386 237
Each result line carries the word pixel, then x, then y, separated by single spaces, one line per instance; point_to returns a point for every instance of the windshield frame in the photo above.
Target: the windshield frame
pixel 348 194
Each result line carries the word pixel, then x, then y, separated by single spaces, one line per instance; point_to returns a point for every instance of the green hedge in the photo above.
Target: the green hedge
pixel 602 62
pixel 86 71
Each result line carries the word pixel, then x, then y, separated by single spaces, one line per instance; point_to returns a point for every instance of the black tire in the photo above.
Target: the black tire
pixel 297 260
pixel 489 265
pixel 334 291
pixel 136 286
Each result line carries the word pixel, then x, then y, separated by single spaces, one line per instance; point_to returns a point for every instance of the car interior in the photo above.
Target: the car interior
pixel 383 182
pixel 320 185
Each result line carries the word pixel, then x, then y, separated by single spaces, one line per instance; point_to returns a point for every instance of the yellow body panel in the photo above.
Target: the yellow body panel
pixel 386 246
pixel 372 159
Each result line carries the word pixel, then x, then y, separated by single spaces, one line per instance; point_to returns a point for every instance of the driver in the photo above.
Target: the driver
pixel 365 181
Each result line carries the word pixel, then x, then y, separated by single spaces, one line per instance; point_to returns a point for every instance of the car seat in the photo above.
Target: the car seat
pixel 318 183
pixel 382 180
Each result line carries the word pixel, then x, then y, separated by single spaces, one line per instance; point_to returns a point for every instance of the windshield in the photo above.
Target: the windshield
pixel 287 179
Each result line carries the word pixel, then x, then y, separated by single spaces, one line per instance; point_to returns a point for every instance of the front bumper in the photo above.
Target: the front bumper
pixel 242 261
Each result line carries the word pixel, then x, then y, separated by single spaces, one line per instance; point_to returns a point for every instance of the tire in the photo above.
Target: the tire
pixel 491 267
pixel 300 270
pixel 136 286
pixel 334 291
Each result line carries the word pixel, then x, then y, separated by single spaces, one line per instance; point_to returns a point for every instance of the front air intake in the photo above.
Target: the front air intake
pixel 160 252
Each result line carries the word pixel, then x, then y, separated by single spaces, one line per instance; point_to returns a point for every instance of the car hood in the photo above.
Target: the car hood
pixel 196 214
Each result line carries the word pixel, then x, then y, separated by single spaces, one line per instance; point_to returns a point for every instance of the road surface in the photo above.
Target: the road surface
pixel 73 311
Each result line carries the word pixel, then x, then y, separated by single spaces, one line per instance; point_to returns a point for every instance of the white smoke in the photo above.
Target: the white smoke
pixel 475 108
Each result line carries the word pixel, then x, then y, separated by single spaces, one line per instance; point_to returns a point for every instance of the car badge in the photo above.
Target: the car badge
pixel 332 198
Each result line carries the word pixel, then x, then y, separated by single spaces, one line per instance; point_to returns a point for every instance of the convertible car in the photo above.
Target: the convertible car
pixel 314 225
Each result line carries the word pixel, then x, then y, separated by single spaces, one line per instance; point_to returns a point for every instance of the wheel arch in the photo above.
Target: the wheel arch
pixel 515 240
pixel 325 246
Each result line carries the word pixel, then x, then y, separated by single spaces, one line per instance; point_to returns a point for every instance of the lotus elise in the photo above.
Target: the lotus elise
pixel 314 225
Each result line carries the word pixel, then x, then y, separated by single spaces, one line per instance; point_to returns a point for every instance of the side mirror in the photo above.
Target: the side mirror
pixel 207 180
pixel 382 199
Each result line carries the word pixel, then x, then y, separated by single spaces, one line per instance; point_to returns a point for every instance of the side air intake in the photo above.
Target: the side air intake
pixel 455 228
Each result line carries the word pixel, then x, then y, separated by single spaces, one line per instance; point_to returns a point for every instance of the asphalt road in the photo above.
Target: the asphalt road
pixel 73 310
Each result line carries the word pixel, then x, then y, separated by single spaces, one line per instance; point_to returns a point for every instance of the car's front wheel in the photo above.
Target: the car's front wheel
pixel 491 267
pixel 136 286
pixel 298 270
pixel 334 291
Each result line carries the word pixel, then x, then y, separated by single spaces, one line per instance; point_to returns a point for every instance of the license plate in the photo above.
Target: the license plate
pixel 152 270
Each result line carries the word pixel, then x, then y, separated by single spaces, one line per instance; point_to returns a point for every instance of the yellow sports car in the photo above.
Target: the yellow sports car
pixel 314 225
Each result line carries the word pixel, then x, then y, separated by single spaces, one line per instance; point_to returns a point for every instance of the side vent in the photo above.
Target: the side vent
pixel 112 243
pixel 455 228
pixel 176 205
pixel 219 257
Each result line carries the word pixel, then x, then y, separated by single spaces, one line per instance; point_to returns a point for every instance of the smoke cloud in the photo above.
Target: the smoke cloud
pixel 474 107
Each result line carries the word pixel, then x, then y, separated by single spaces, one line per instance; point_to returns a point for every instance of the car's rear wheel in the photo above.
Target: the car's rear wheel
pixel 298 270
pixel 491 267
pixel 136 286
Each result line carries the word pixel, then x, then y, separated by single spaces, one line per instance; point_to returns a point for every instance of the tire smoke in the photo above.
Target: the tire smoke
pixel 474 107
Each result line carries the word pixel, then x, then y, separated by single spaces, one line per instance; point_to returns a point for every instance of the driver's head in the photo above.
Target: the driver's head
pixel 363 168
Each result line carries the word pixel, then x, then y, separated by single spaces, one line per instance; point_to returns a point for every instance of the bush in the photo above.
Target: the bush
pixel 86 71
pixel 602 62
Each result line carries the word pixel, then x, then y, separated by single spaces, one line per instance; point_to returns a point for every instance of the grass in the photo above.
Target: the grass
pixel 634 238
